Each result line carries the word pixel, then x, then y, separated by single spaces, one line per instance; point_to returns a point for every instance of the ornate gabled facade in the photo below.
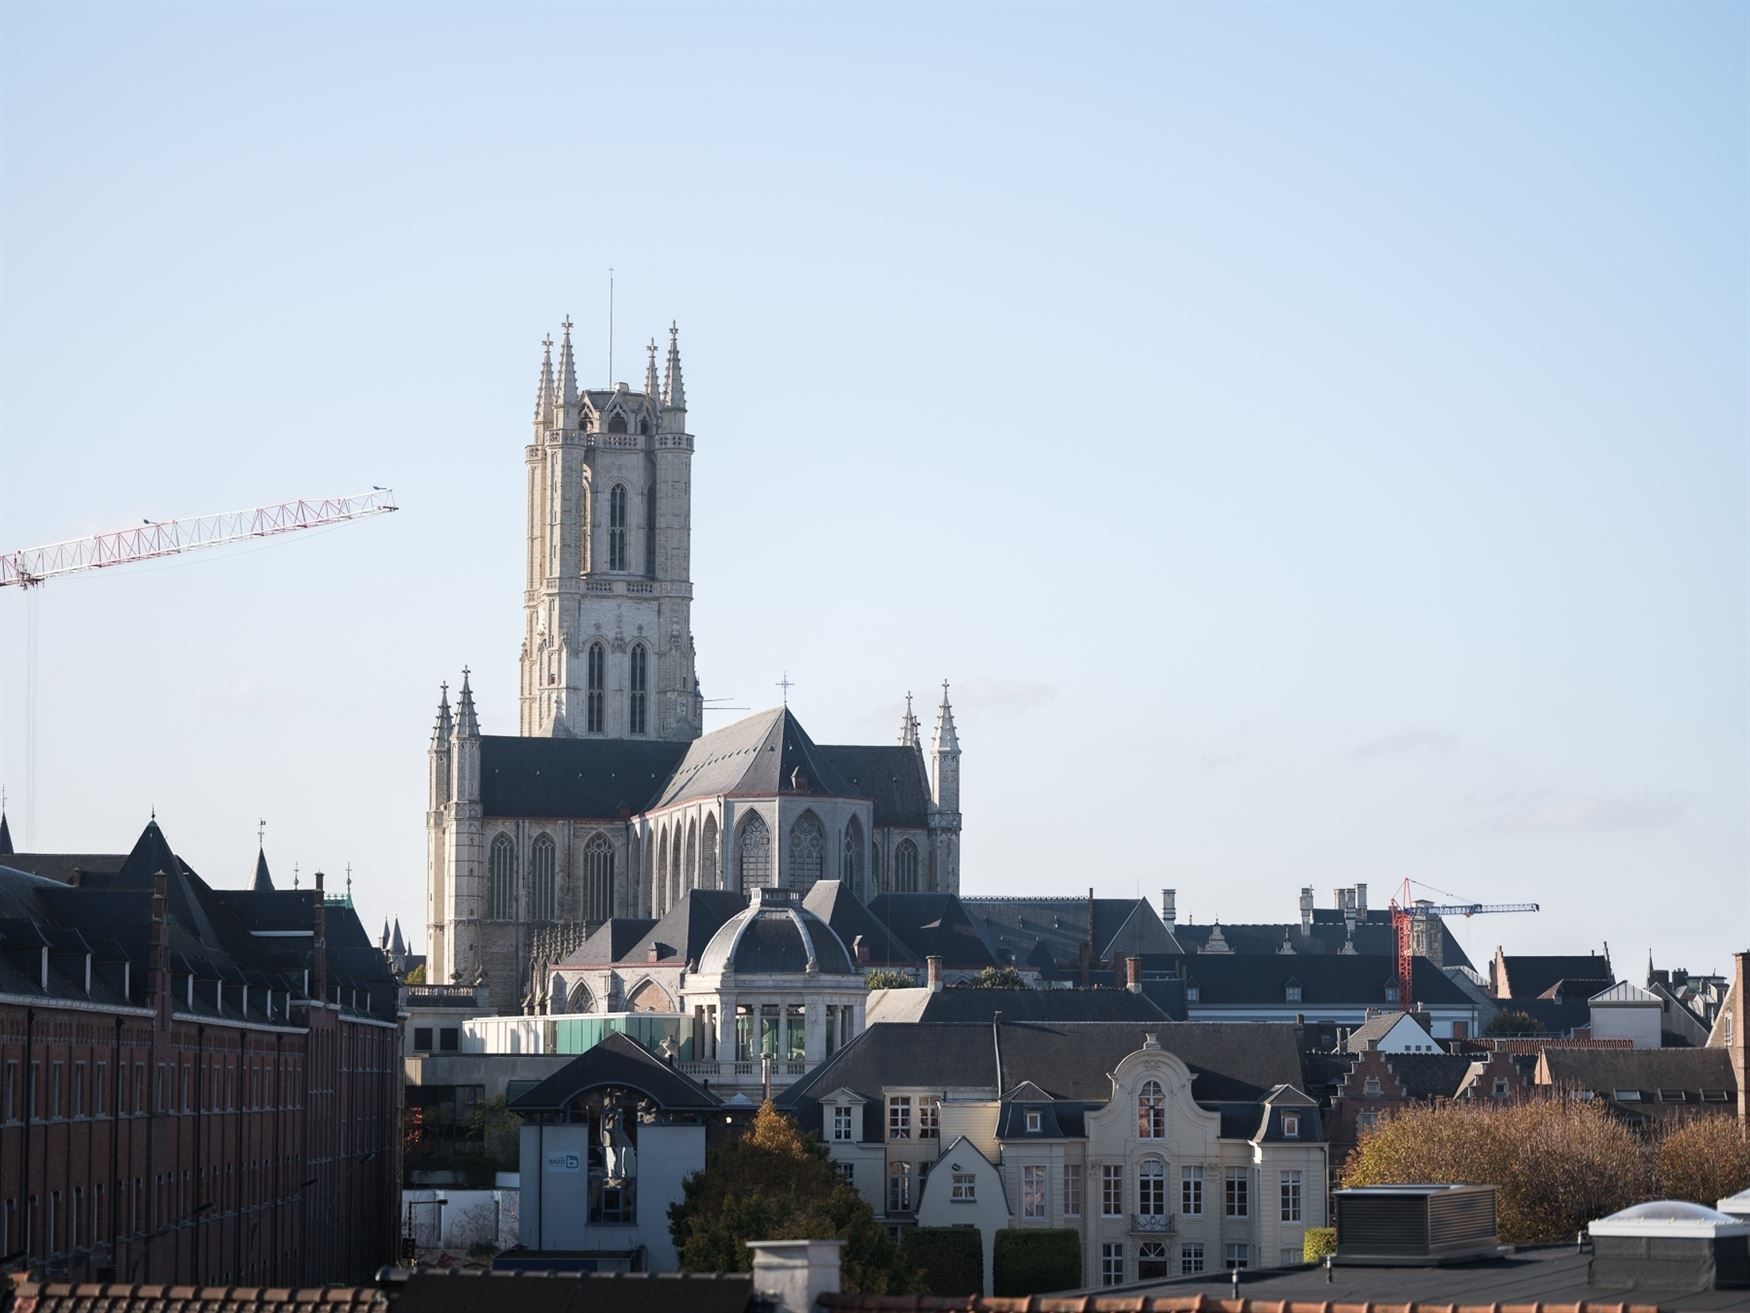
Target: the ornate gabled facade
pixel 611 801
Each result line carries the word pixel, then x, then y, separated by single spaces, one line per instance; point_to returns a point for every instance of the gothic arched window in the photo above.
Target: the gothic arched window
pixel 617 424
pixel 541 879
pixel 1151 1111
pixel 708 855
pixel 807 851
pixel 581 1000
pixel 597 677
pixel 503 887
pixel 640 687
pixel 690 869
pixel 851 858
pixel 598 881
pixel 617 527
pixel 905 867
pixel 1151 1187
pixel 753 858
pixel 662 900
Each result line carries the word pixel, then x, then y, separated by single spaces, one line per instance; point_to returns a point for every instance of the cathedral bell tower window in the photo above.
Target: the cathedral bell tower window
pixel 617 527
pixel 597 677
pixel 640 689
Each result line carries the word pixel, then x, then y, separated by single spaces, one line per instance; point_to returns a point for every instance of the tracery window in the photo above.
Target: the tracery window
pixel 640 687
pixel 905 868
pixel 598 880
pixel 617 527
pixel 617 423
pixel 541 879
pixel 1151 1111
pixel 851 858
pixel 503 886
pixel 708 855
pixel 596 677
pixel 807 851
pixel 754 858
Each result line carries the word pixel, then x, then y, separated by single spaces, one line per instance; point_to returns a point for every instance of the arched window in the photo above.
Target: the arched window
pixel 598 880
pixel 541 879
pixel 1151 1188
pixel 617 527
pixel 581 999
pixel 617 424
pixel 690 868
pixel 905 867
pixel 586 508
pixel 640 686
pixel 648 997
pixel 753 858
pixel 662 902
pixel 1152 1263
pixel 1151 1111
pixel 676 889
pixel 597 673
pixel 644 426
pixel 708 855
pixel 851 858
pixel 503 896
pixel 807 851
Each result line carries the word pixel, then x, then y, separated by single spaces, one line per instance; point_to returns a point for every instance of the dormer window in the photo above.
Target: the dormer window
pixel 1290 1126
pixel 1035 1121
pixel 1391 993
pixel 1292 991
pixel 1193 994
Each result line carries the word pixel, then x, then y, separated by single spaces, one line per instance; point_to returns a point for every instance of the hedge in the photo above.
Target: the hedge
pixel 1320 1240
pixel 1036 1261
pixel 949 1260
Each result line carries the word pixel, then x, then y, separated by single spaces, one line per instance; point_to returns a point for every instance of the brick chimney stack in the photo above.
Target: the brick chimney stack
pixel 933 970
pixel 1133 973
pixel 1737 1041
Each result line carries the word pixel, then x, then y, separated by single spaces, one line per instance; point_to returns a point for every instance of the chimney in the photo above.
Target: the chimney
pixel 1169 907
pixel 1735 1028
pixel 792 1275
pixel 1361 898
pixel 1133 973
pixel 319 949
pixel 1306 909
pixel 933 969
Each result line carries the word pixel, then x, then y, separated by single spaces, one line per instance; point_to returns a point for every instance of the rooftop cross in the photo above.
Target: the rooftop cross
pixel 260 832
pixel 786 683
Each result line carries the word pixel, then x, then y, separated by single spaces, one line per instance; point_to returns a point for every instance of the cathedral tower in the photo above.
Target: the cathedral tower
pixel 607 638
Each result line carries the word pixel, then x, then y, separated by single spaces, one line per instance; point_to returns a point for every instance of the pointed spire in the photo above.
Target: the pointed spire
pixel 397 945
pixel 567 394
pixel 263 882
pixel 650 387
pixel 908 727
pixel 544 397
pixel 440 733
pixel 947 740
pixel 674 392
pixel 383 942
pixel 5 836
pixel 467 724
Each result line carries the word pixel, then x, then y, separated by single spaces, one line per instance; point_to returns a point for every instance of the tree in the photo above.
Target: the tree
pixel 1558 1163
pixel 415 976
pixel 774 1183
pixel 995 978
pixel 889 979
pixel 1703 1160
pixel 1513 1023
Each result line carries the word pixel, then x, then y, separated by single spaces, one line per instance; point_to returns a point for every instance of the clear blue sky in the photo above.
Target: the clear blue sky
pixel 1311 438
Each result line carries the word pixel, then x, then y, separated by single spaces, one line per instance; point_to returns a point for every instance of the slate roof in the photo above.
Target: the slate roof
pixel 936 925
pixel 892 777
pixel 1430 1075
pixel 620 1061
pixel 980 1005
pixel 1605 1070
pixel 776 935
pixel 584 779
pixel 762 754
pixel 681 935
pixel 1022 927
pixel 63 866
pixel 1373 936
pixel 850 919
pixel 1531 977
pixel 1374 1029
pixel 611 941
pixel 1324 981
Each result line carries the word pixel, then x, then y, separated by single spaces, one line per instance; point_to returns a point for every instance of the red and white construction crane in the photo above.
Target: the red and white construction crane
pixel 30 566
pixel 1405 912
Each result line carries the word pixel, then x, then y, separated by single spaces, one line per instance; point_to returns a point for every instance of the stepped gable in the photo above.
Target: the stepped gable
pixel 761 755
pixel 582 779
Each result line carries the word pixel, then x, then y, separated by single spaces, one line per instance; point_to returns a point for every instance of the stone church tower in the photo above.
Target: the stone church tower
pixel 607 638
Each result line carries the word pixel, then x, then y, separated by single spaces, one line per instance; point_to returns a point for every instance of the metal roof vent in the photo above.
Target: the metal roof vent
pixel 1671 1245
pixel 1414 1225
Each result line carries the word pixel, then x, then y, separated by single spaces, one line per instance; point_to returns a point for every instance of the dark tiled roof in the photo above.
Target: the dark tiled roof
pixel 1373 936
pixel 1429 1075
pixel 850 919
pixel 1055 931
pixel 621 1061
pixel 1374 1029
pixel 1052 1005
pixel 892 777
pixel 63 866
pixel 586 779
pixel 777 935
pixel 764 754
pixel 1603 1070
pixel 936 925
pixel 612 941
pixel 1529 977
pixel 1556 1017
pixel 1324 981
pixel 687 927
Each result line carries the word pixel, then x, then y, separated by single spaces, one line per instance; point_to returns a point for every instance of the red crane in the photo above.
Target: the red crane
pixel 1405 912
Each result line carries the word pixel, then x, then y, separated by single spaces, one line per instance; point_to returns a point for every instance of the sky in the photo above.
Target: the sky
pixel 1311 439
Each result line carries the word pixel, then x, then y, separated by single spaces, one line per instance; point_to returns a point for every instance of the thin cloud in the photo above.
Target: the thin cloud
pixel 1407 741
pixel 1006 693
pixel 1543 812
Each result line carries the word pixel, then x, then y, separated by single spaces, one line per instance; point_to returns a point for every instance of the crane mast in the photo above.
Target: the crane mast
pixel 30 566
pixel 1405 912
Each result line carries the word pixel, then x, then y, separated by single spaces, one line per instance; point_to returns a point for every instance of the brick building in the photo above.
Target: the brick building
pixel 196 1085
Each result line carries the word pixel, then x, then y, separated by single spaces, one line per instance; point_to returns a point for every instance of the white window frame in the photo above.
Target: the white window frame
pixel 841 1122
pixel 1191 1258
pixel 963 1189
pixel 1191 1191
pixel 1236 1202
pixel 1291 1126
pixel 1112 1190
pixel 899 1117
pixel 1073 1189
pixel 1236 1255
pixel 1035 1191
pixel 1293 1194
pixel 1035 1122
pixel 1112 1263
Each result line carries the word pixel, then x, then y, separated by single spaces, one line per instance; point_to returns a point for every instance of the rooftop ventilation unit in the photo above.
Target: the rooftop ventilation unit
pixel 1414 1225
pixel 1672 1246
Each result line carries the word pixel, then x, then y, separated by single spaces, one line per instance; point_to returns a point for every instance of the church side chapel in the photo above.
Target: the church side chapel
pixel 611 802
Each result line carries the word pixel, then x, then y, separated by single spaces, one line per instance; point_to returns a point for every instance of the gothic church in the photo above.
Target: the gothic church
pixel 611 800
